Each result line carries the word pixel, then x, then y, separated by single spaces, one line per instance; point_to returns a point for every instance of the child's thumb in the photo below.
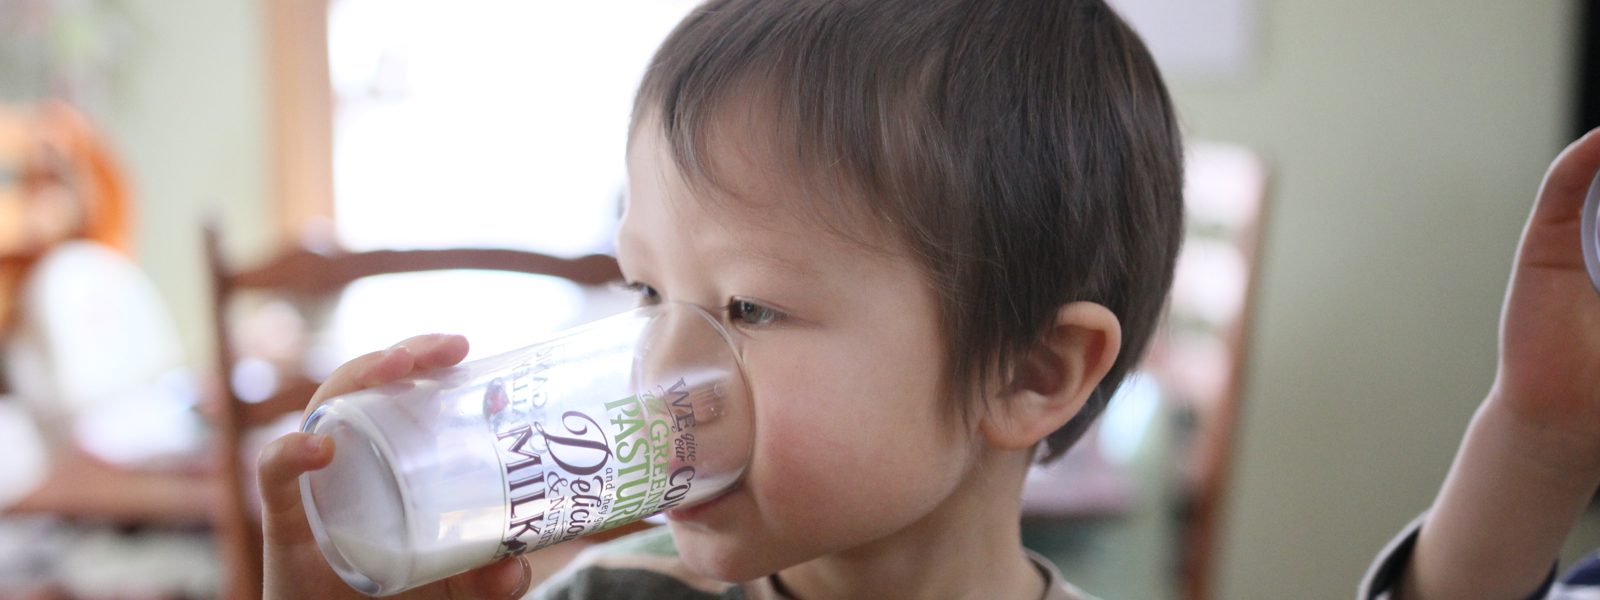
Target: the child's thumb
pixel 508 579
pixel 280 466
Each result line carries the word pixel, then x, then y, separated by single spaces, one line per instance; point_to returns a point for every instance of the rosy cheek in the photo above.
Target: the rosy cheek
pixel 804 422
pixel 798 417
pixel 831 418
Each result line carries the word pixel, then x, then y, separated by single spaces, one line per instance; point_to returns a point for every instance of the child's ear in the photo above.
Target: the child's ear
pixel 1050 383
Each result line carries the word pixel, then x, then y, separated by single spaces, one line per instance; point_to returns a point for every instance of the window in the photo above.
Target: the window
pixel 486 122
pixel 480 123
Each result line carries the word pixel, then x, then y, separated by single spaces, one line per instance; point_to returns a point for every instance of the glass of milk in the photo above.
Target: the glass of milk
pixel 599 426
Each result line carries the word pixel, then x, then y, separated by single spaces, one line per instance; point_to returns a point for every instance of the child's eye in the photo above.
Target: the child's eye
pixel 745 312
pixel 648 296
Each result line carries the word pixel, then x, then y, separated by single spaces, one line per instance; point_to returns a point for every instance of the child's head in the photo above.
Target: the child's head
pixel 1024 151
pixel 894 201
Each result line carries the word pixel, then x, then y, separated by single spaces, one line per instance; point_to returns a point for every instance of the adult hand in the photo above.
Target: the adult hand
pixel 294 565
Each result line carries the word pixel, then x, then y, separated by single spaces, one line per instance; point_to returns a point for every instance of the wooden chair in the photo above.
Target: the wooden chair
pixel 1226 191
pixel 307 275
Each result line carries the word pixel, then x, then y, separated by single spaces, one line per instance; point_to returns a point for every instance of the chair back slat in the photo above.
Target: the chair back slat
pixel 310 273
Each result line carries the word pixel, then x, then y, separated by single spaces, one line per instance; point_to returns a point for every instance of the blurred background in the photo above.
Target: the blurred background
pixel 1358 175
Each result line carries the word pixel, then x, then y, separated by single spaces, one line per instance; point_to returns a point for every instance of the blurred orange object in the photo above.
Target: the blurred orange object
pixel 58 180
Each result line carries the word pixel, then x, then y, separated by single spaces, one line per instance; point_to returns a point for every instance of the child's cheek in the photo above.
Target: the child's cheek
pixel 808 434
pixel 850 445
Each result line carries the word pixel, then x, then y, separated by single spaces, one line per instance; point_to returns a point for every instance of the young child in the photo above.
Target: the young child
pixel 1530 462
pixel 941 232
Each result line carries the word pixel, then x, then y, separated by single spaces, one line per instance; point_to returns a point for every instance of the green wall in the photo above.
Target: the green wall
pixel 1407 139
pixel 188 115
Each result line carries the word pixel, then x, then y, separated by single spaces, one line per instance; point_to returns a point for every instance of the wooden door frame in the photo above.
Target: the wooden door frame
pixel 301 114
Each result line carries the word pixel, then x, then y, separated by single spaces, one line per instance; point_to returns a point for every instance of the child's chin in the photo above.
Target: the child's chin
pixel 722 559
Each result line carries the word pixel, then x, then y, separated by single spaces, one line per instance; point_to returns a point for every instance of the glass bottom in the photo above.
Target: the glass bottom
pixel 358 495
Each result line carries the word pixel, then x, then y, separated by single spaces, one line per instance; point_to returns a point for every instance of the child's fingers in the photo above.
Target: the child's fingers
pixel 1550 242
pixel 362 372
pixel 505 580
pixel 377 368
pixel 436 350
pixel 1567 182
pixel 280 466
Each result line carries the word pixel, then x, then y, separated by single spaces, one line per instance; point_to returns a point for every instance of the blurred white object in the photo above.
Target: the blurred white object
pixel 96 354
pixel 105 564
pixel 145 427
pixel 273 331
pixel 24 461
pixel 1211 282
pixel 254 379
pixel 496 311
pixel 92 328
pixel 1207 41
pixel 1223 184
pixel 488 123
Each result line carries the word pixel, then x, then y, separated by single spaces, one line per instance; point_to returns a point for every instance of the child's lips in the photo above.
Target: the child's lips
pixel 690 512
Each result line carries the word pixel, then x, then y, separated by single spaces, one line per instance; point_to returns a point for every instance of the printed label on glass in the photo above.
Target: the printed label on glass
pixel 574 473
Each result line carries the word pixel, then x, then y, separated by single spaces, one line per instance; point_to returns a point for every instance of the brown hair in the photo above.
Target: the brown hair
pixel 1025 151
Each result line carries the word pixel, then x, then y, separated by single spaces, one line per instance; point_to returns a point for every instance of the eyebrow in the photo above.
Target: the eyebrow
pixel 796 268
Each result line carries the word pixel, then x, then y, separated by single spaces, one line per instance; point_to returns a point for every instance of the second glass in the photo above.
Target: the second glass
pixel 597 427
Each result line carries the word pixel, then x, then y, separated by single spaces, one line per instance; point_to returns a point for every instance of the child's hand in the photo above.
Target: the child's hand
pixel 1549 370
pixel 295 567
pixel 1530 461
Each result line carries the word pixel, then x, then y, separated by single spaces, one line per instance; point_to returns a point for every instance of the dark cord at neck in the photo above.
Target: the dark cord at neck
pixel 782 590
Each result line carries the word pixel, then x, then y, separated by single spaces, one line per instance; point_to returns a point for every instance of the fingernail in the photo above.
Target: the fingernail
pixel 526 581
pixel 315 443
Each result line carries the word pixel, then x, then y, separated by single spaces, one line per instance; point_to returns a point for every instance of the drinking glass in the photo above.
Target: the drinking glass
pixel 599 426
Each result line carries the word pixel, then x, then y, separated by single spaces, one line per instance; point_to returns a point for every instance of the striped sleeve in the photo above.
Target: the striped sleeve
pixel 1388 570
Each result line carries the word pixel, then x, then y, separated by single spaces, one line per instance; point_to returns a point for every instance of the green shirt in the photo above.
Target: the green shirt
pixel 646 566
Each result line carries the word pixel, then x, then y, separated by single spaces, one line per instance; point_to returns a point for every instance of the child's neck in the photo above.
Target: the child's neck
pixel 970 546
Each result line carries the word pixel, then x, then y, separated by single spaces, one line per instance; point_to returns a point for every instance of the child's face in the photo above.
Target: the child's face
pixel 843 350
